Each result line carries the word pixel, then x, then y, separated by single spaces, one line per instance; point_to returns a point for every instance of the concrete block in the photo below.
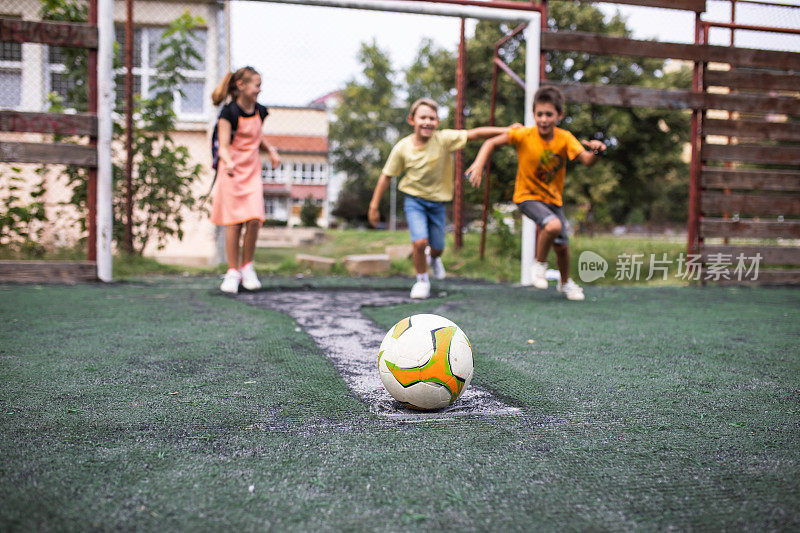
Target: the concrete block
pixel 399 251
pixel 367 265
pixel 315 263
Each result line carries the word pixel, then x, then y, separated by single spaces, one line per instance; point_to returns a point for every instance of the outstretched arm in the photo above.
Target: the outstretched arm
pixel 274 158
pixel 475 170
pixel 374 215
pixel 593 150
pixel 487 132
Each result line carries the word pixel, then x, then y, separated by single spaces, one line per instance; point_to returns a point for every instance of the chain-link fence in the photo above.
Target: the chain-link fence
pixel 308 57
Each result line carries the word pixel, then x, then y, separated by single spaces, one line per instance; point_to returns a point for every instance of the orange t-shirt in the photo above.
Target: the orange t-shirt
pixel 542 165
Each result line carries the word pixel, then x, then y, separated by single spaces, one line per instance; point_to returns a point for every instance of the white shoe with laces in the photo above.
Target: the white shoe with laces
pixel 421 290
pixel 438 268
pixel 538 278
pixel 230 281
pixel 571 290
pixel 250 278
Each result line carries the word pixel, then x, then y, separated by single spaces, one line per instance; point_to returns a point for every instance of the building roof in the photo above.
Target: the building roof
pixel 299 144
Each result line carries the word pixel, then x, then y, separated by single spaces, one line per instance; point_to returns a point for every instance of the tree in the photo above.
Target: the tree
pixel 641 176
pixel 364 130
pixel 309 213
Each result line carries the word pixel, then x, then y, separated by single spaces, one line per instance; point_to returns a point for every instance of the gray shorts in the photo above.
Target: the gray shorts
pixel 542 213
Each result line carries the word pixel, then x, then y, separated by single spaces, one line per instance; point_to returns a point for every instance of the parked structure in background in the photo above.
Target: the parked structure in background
pixel 29 72
pixel 301 136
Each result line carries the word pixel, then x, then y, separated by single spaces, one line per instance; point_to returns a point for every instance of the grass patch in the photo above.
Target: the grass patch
pixel 502 262
pixel 166 406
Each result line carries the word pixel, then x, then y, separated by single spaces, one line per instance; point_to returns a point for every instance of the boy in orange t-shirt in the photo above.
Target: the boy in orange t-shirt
pixel 542 154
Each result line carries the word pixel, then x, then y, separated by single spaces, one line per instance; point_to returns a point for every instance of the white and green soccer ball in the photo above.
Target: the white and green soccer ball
pixel 425 362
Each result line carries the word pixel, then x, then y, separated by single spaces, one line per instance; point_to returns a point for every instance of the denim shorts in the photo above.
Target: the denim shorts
pixel 426 220
pixel 542 213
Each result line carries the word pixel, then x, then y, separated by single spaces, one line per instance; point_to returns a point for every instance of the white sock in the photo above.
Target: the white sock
pixel 423 277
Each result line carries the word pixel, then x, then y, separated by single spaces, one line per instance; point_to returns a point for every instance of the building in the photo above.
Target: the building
pixel 29 72
pixel 301 136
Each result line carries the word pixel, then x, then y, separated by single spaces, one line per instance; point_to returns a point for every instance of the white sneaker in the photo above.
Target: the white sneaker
pixel 571 290
pixel 438 268
pixel 421 290
pixel 538 275
pixel 250 278
pixel 230 282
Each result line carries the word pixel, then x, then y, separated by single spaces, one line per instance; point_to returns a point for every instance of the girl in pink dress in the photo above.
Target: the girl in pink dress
pixel 238 192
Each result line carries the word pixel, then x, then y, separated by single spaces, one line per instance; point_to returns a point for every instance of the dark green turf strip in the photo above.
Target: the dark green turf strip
pixel 132 407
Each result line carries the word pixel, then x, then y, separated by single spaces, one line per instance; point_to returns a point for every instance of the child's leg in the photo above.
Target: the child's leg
pixel 418 227
pixel 250 238
pixel 562 258
pixel 232 235
pixel 418 255
pixel 547 236
pixel 549 223
pixel 436 228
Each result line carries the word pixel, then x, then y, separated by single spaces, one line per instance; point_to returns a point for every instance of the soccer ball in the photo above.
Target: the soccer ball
pixel 425 362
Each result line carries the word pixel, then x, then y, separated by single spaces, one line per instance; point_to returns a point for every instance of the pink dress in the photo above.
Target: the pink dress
pixel 240 197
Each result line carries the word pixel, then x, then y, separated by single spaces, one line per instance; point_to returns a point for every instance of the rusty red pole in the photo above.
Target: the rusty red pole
pixel 487 172
pixel 694 167
pixel 458 199
pixel 496 62
pixel 129 126
pixel 727 190
pixel 91 184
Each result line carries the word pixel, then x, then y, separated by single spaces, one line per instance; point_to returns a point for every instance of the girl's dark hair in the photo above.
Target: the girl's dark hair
pixel 227 87
pixel 547 94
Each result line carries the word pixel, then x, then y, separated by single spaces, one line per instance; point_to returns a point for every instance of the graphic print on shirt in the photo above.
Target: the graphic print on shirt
pixel 549 165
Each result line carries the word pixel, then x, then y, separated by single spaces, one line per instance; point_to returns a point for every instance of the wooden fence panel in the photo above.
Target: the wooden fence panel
pixel 752 79
pixel 775 155
pixel 752 103
pixel 594 43
pixel 750 179
pixel 757 229
pixel 630 96
pixel 44 32
pixel 754 129
pixel 715 202
pixel 767 277
pixel 627 96
pixel 23 122
pixel 770 255
pixel 49 154
pixel 698 6
pixel 47 271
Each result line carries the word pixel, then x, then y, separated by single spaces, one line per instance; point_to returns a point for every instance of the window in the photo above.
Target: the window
pixel 69 89
pixel 10 74
pixel 299 173
pixel 192 104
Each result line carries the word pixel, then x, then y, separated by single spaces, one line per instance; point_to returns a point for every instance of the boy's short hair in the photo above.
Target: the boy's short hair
pixel 547 94
pixel 423 101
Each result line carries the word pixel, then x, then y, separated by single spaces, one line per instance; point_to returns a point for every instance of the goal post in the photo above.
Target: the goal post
pixel 105 107
pixel 516 14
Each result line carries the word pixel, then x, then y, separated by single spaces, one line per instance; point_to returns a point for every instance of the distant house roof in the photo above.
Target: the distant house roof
pixel 299 144
pixel 325 99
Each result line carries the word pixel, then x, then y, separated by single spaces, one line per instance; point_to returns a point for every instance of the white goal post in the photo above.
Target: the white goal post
pixel 105 107
pixel 532 58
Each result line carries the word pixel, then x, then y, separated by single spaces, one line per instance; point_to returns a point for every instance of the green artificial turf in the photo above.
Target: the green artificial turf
pixel 166 406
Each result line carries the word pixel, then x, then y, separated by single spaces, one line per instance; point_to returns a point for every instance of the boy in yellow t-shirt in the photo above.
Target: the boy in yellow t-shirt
pixel 425 160
pixel 542 154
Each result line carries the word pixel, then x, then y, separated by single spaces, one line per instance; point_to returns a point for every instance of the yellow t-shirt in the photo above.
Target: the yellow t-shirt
pixel 429 168
pixel 541 165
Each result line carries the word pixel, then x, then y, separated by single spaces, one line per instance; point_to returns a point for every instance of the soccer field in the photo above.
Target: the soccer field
pixel 165 406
